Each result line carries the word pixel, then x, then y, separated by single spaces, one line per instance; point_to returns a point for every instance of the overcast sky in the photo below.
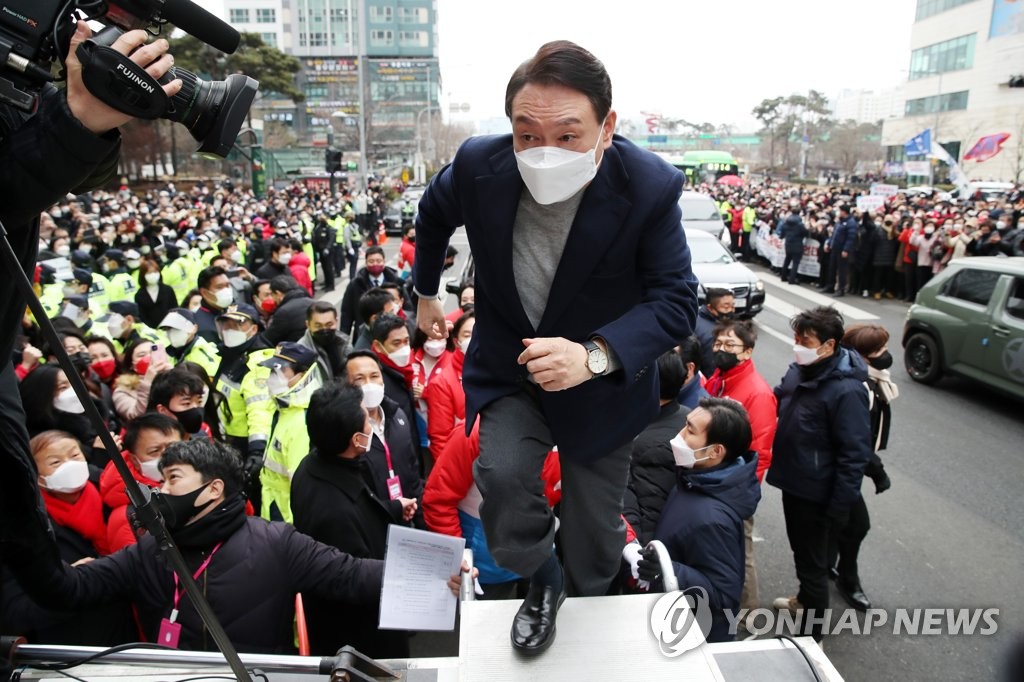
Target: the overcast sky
pixel 701 60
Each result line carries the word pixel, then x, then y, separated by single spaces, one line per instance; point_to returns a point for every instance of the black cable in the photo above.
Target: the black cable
pixel 61 672
pixel 57 667
pixel 803 652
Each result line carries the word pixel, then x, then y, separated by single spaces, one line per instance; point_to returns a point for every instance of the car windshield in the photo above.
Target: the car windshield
pixel 699 209
pixel 708 251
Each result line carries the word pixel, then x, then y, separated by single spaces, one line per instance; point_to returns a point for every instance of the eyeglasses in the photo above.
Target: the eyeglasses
pixel 727 345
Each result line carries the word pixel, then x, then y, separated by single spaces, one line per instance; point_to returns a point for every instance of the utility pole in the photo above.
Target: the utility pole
pixel 363 119
pixel 935 133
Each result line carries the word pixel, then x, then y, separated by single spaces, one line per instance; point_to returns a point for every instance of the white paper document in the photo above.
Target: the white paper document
pixel 417 567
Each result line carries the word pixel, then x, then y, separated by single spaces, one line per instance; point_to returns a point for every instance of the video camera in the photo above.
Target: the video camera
pixel 35 33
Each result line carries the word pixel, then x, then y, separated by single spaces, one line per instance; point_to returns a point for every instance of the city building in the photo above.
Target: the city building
pixel 402 79
pixel 965 61
pixel 868 106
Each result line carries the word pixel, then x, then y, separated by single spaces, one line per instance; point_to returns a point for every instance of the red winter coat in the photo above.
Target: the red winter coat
pixel 446 402
pixel 743 384
pixel 119 530
pixel 299 267
pixel 406 255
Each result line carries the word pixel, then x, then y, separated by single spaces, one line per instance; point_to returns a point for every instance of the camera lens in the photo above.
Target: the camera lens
pixel 213 111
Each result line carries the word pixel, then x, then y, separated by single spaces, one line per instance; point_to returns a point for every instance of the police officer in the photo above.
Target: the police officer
pixel 185 344
pixel 125 327
pixel 123 282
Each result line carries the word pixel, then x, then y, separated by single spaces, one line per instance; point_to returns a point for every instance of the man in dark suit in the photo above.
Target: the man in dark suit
pixel 582 280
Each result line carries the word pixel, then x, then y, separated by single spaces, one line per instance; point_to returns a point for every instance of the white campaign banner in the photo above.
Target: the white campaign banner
pixel 772 248
pixel 918 168
pixel 878 189
pixel 871 202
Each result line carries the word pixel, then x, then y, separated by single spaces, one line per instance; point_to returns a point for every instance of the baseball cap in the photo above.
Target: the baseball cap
pixel 82 276
pixel 298 356
pixel 240 313
pixel 179 318
pixel 124 308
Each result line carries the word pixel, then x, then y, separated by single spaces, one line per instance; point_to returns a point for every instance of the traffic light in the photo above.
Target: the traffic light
pixel 333 161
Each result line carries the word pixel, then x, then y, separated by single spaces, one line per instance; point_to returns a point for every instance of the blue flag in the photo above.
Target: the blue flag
pixel 920 144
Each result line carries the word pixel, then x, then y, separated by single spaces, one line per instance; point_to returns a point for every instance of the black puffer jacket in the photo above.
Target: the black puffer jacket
pixel 652 471
pixel 250 583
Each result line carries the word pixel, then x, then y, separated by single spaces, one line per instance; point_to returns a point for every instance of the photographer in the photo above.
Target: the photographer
pixel 69 143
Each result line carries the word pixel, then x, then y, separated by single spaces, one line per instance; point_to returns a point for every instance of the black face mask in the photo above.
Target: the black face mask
pixel 81 360
pixel 720 316
pixel 178 510
pixel 883 361
pixel 325 337
pixel 191 420
pixel 725 360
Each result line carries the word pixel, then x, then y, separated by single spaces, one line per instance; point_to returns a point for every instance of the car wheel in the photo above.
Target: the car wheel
pixel 922 359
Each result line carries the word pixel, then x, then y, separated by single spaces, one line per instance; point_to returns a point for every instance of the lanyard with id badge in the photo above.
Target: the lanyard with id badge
pixel 394 484
pixel 170 629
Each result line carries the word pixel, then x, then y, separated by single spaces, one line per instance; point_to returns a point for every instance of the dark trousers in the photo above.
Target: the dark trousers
pixel 747 251
pixel 924 274
pixel 840 271
pixel 353 259
pixel 844 543
pixel 909 281
pixel 808 529
pixel 338 257
pixel 327 265
pixel 791 266
pixel 519 524
pixel 734 240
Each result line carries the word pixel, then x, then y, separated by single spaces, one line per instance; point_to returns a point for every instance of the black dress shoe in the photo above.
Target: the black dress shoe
pixel 533 629
pixel 854 596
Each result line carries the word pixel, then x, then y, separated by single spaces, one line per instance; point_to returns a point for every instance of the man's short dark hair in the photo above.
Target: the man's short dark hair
pixel 362 354
pixel 153 421
pixel 743 329
pixel 320 307
pixel 373 251
pixel 206 276
pixel 393 286
pixel 283 284
pixel 825 322
pixel 689 351
pixel 372 303
pixel 334 415
pixel 729 426
pixel 384 325
pixel 716 294
pixel 671 375
pixel 225 244
pixel 212 459
pixel 176 381
pixel 278 243
pixel 564 63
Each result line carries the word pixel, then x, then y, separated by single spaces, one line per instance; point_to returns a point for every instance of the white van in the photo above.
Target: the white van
pixel 700 213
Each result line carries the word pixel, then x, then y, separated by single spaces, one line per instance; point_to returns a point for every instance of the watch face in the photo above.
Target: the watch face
pixel 597 361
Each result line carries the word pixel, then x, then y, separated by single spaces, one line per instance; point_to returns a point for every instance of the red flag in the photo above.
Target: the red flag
pixel 987 147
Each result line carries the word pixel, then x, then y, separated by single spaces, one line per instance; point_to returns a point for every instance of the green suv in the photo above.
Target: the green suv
pixel 969 320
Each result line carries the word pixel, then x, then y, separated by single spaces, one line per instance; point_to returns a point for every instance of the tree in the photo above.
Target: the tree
pixel 769 112
pixel 1016 150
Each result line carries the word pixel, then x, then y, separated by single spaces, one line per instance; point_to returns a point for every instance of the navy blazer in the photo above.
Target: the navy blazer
pixel 624 276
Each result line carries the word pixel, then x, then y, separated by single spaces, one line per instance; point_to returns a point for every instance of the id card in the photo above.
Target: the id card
pixel 394 487
pixel 169 633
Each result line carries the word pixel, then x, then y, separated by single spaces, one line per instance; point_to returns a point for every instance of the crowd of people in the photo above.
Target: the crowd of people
pixel 889 252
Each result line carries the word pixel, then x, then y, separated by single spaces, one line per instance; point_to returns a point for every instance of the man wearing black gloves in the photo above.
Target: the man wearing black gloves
pixel 822 444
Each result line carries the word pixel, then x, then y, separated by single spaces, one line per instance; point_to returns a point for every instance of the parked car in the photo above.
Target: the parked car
pixel 969 321
pixel 700 213
pixel 715 267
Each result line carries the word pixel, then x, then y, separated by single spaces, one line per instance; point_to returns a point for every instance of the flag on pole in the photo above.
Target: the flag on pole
pixel 956 175
pixel 920 144
pixel 987 147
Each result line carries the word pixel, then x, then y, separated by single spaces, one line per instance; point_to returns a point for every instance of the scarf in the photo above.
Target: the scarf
pixel 885 384
pixel 84 515
pixel 408 372
pixel 217 526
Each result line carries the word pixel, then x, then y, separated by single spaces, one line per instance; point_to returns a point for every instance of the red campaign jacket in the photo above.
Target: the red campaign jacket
pixel 744 385
pixel 299 267
pixel 406 254
pixel 446 402
pixel 452 478
pixel 119 529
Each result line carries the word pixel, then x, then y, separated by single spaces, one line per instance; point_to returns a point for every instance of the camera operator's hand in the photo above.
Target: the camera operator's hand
pixel 90 111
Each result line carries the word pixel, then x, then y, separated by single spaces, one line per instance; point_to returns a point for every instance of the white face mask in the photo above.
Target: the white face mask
pixel 365 447
pixel 373 395
pixel 277 383
pixel 115 325
pixel 434 347
pixel 233 338
pixel 69 291
pixel 805 356
pixel 224 297
pixel 151 469
pixel 178 338
pixel 684 455
pixel 284 258
pixel 67 401
pixel 152 278
pixel 133 264
pixel 464 345
pixel 237 256
pixel 401 356
pixel 70 477
pixel 63 250
pixel 553 174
